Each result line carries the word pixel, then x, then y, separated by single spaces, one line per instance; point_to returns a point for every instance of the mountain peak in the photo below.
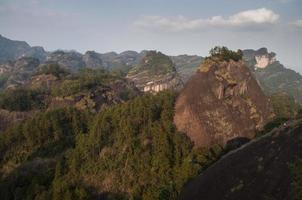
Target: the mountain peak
pixel 213 101
pixel 155 72
pixel 260 58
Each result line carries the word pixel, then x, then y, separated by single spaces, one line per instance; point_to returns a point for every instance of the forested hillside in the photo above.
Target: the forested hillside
pixel 127 151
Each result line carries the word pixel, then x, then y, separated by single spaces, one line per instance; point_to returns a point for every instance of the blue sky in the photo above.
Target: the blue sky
pixel 173 27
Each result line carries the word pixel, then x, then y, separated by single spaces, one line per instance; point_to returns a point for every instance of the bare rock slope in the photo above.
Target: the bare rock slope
pixel 261 169
pixel 221 102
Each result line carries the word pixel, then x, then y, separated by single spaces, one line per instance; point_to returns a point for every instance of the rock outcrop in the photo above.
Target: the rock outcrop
pixel 154 73
pixel 221 102
pixel 260 58
pixel 272 76
pixel 258 170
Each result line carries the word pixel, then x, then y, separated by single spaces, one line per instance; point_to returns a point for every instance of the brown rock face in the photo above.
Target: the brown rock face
pixel 221 102
pixel 258 170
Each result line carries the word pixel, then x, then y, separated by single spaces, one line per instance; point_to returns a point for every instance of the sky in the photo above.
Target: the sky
pixel 171 26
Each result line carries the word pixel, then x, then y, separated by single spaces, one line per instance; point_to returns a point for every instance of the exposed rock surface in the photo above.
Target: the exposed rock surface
pixel 154 73
pixel 96 98
pixel 258 170
pixel 221 102
pixel 260 58
pixel 272 76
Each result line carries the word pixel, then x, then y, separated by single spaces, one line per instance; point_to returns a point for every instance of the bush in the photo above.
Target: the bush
pixel 224 54
pixel 53 69
pixel 21 99
pixel 271 125
pixel 84 80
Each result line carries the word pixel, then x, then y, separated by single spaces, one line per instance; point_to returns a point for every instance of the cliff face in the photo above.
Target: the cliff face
pixel 155 73
pixel 272 76
pixel 260 58
pixel 257 170
pixel 221 102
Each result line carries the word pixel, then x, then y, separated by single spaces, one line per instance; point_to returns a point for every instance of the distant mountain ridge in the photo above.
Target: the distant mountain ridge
pixel 272 76
pixel 11 50
pixel 154 73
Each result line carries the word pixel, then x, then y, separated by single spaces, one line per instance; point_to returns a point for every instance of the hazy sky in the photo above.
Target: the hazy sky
pixel 171 26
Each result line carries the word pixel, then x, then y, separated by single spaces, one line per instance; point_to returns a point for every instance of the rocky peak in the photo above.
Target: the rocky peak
pixel 92 60
pixel 221 102
pixel 155 72
pixel 13 49
pixel 68 60
pixel 261 58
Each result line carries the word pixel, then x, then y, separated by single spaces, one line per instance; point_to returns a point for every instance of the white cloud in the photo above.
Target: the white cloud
pixel 248 18
pixel 297 23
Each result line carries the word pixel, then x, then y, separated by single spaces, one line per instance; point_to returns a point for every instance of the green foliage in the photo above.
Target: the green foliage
pixel 132 151
pixel 21 99
pixel 83 81
pixel 53 69
pixel 275 78
pixel 67 188
pixel 224 54
pixel 296 171
pixel 30 181
pixel 155 63
pixel 133 148
pixel 44 135
pixel 284 105
pixel 3 79
pixel 272 124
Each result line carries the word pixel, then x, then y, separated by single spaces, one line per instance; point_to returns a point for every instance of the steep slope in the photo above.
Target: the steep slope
pixel 71 61
pixel 12 50
pixel 259 170
pixel 272 75
pixel 186 65
pixel 127 151
pixel 17 72
pixel 122 61
pixel 93 60
pixel 221 102
pixel 154 73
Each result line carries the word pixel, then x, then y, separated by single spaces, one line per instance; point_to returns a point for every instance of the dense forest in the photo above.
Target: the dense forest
pixel 127 151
